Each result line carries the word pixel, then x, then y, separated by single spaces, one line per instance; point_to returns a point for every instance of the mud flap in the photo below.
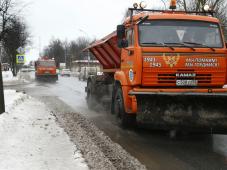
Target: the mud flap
pixel 47 77
pixel 193 112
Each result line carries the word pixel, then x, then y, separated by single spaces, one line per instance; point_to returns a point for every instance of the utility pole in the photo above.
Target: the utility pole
pixel 65 55
pixel 2 101
pixel 39 46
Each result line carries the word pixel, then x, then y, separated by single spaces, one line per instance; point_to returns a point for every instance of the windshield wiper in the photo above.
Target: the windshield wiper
pixel 203 45
pixel 156 43
pixel 142 20
pixel 182 44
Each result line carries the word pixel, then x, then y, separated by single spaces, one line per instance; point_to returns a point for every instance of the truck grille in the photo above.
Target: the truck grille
pixel 171 78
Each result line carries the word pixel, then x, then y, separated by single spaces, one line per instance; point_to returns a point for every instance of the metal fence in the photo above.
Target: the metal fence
pixel 2 102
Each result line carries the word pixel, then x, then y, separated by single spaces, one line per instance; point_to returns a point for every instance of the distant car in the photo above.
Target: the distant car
pixel 31 68
pixel 65 72
pixel 25 68
pixel 85 72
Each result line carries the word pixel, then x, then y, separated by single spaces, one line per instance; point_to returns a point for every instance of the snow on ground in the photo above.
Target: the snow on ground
pixel 12 99
pixel 31 139
pixel 8 78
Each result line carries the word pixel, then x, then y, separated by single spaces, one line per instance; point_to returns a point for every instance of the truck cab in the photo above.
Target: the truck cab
pixel 173 50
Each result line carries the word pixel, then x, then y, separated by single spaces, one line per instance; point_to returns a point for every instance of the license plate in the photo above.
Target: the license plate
pixel 187 82
pixel 47 72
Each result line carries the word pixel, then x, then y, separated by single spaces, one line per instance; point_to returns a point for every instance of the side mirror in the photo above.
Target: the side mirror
pixel 121 41
pixel 120 32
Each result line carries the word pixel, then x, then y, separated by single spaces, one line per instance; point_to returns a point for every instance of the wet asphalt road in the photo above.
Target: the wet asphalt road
pixel 152 148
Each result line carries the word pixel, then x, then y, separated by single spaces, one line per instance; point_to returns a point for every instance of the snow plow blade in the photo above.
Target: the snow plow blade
pixel 194 112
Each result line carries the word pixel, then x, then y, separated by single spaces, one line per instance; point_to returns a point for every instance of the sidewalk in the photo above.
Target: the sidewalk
pixel 31 139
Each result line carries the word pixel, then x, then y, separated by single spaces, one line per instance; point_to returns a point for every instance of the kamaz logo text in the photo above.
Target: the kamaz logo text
pixel 185 75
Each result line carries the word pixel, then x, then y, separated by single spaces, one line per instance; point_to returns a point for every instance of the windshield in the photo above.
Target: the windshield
pixel 46 63
pixel 195 33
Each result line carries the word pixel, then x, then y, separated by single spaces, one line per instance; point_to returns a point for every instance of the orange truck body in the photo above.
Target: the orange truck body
pixel 46 69
pixel 161 71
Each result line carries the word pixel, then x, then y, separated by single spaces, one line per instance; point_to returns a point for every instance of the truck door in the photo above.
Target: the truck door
pixel 128 55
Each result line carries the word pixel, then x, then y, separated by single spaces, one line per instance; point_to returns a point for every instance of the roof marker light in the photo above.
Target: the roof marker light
pixel 173 4
pixel 206 8
pixel 135 5
pixel 143 4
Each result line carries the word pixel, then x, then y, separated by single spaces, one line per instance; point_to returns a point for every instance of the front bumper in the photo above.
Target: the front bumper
pixel 179 92
pixel 193 109
pixel 47 76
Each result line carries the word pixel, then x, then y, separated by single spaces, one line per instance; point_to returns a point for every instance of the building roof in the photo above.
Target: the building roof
pixel 86 61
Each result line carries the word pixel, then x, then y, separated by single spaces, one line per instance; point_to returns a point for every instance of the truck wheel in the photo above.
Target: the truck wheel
pixel 90 97
pixel 37 78
pixel 123 118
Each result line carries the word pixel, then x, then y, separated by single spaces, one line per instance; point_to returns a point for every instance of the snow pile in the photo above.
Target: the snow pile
pixel 31 138
pixel 12 99
pixel 8 77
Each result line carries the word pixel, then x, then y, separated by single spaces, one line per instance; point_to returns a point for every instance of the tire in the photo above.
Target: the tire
pixel 90 97
pixel 123 119
pixel 37 78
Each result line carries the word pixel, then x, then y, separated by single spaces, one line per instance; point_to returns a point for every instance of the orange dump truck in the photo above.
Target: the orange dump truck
pixel 167 69
pixel 45 69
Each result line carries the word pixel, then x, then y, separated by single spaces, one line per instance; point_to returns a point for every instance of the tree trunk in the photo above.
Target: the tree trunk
pixel 185 5
pixel 2 102
pixel 14 71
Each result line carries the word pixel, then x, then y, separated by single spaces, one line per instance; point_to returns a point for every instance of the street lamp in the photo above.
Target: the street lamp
pixel 65 53
pixel 88 52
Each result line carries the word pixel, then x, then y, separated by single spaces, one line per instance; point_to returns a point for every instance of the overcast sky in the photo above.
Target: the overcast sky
pixel 69 19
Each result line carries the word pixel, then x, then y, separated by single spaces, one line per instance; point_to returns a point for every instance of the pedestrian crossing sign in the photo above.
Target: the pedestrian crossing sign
pixel 20 59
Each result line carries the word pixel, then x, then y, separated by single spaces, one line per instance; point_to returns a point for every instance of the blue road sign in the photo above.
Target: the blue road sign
pixel 20 59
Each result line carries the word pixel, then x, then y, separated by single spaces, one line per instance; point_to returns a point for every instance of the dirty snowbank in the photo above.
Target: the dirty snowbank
pixel 31 139
pixel 98 149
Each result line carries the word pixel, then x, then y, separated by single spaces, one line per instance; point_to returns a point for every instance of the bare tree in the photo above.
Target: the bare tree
pixel 6 13
pixel 67 51
pixel 55 50
pixel 16 36
pixel 218 6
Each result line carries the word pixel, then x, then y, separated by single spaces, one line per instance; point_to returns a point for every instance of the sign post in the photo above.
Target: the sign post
pixel 2 102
